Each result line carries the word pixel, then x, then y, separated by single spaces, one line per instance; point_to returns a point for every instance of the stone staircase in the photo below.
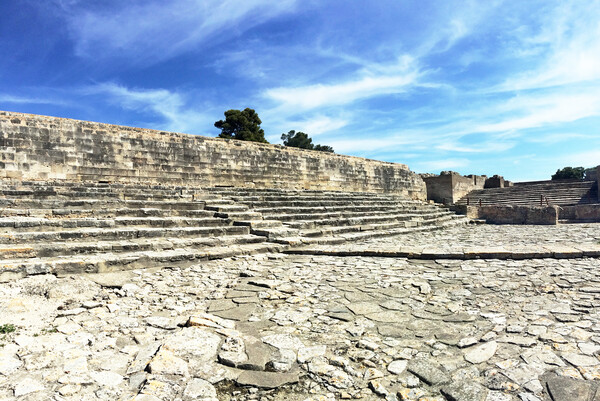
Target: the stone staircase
pixel 66 227
pixel 62 227
pixel 561 193
pixel 322 217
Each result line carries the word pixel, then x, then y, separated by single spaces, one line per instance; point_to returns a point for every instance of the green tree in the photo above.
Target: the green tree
pixel 569 173
pixel 301 140
pixel 297 140
pixel 324 148
pixel 241 124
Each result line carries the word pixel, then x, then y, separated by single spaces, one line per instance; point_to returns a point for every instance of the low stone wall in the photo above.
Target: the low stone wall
pixel 511 214
pixel 582 213
pixel 36 147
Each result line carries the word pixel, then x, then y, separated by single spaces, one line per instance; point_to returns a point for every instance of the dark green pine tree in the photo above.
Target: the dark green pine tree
pixel 243 125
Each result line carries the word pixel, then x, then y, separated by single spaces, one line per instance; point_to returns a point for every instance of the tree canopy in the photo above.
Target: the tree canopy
pixel 324 148
pixel 569 173
pixel 301 140
pixel 241 124
pixel 297 140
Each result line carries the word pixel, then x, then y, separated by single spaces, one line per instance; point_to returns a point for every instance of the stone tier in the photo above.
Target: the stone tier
pixel 561 193
pixel 64 227
pixel 310 217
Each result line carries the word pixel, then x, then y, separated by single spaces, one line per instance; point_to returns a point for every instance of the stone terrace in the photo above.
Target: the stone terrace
pixel 309 327
pixel 62 227
pixel 562 193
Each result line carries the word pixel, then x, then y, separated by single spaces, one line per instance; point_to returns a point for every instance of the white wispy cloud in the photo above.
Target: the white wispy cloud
pixel 487 147
pixel 168 105
pixel 373 81
pixel 440 164
pixel 319 124
pixel 560 137
pixel 6 98
pixel 156 30
pixel 538 110
pixel 565 45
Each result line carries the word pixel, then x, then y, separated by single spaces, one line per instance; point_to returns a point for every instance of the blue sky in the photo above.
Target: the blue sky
pixel 482 87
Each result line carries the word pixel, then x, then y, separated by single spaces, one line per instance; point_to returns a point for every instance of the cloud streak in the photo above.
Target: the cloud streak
pixel 152 31
pixel 375 80
pixel 168 105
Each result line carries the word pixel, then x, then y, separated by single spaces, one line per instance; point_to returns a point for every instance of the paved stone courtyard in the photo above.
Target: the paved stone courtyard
pixel 310 327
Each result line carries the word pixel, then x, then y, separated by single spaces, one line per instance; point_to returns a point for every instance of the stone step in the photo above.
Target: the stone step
pixel 355 208
pixel 105 262
pixel 9 224
pixel 107 213
pixel 23 194
pixel 24 189
pixel 339 234
pixel 98 204
pixel 119 234
pixel 349 218
pixel 274 232
pixel 226 208
pixel 55 249
pixel 324 196
pixel 298 241
pixel 239 216
pixel 529 194
pixel 294 203
pixel 255 224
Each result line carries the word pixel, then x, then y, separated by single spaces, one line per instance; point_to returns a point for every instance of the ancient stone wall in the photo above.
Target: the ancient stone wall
pixel 36 147
pixel 581 213
pixel 510 214
pixel 449 187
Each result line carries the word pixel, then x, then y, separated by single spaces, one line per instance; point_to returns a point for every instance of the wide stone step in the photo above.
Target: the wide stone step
pixel 87 192
pixel 107 213
pixel 237 216
pixel 55 249
pixel 119 234
pixel 342 208
pixel 56 224
pixel 298 241
pixel 322 196
pixel 350 218
pixel 340 234
pixel 226 208
pixel 98 204
pixel 254 224
pixel 105 262
pixel 293 203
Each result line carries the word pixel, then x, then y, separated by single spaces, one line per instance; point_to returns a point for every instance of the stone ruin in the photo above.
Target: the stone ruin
pixel 145 265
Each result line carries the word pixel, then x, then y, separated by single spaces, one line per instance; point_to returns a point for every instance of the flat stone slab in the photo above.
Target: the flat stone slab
pixel 563 388
pixel 427 371
pixel 465 391
pixel 241 312
pixel 111 279
pixel 364 308
pixel 266 380
pixel 481 353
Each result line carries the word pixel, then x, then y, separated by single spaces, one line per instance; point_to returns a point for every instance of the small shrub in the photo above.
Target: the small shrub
pixel 7 328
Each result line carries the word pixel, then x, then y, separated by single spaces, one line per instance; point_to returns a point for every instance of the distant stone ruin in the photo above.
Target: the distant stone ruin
pixel 499 201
